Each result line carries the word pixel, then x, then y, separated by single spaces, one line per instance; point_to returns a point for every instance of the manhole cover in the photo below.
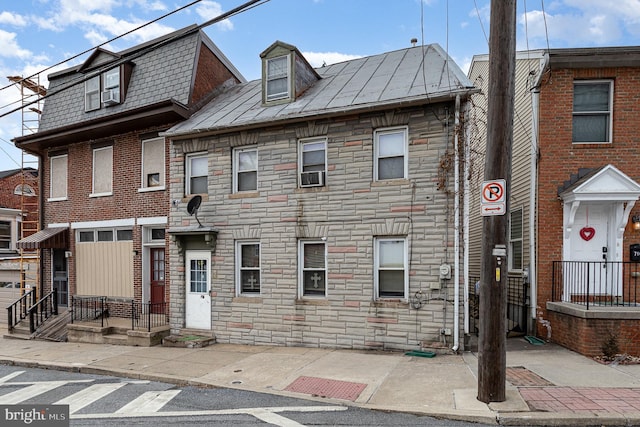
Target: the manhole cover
pixel 327 388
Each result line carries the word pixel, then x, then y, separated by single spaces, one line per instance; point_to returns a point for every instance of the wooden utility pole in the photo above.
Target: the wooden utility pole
pixel 492 336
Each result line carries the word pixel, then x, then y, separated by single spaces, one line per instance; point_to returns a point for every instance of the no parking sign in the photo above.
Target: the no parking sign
pixel 493 200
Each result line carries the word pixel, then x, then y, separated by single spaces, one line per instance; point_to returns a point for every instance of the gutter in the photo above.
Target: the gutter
pixel 456 228
pixel 533 170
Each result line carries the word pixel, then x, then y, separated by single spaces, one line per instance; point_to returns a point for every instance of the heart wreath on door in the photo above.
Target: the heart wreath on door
pixel 587 233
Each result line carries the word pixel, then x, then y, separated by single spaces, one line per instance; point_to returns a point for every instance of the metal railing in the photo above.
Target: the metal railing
pixel 145 316
pixel 89 309
pixel 517 304
pixel 596 283
pixel 149 315
pixel 43 309
pixel 19 310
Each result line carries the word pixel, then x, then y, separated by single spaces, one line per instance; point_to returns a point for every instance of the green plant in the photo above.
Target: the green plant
pixel 610 347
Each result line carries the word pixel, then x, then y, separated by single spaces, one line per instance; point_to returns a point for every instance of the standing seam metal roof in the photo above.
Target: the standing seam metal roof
pixel 413 74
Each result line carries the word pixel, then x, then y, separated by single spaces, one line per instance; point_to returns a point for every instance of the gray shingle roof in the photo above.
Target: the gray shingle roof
pixel 160 73
pixel 392 78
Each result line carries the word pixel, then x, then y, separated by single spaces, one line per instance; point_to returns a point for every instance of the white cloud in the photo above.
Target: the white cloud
pixel 211 9
pixel 317 59
pixel 10 47
pixel 12 19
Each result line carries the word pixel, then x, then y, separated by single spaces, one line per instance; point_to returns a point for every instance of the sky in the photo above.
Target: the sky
pixel 37 35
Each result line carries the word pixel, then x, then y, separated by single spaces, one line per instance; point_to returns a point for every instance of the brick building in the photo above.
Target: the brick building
pixel 319 207
pixel 104 163
pixel 584 172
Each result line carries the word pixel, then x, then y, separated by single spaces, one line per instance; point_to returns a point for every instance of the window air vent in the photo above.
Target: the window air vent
pixel 312 179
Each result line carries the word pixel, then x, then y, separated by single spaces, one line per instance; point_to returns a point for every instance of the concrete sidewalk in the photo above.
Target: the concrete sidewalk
pixel 547 384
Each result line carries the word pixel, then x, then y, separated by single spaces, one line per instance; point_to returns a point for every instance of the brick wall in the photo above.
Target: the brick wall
pixel 349 211
pixel 126 201
pixel 8 198
pixel 559 158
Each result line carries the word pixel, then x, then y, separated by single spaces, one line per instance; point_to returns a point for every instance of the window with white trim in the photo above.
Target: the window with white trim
pixel 245 169
pixel 111 85
pixel 92 94
pixel 515 240
pixel 391 147
pixel 592 111
pixel 58 177
pixel 277 78
pixel 102 171
pixel 312 162
pixel 313 268
pixel 24 190
pixel 248 267
pixel 391 276
pixel 153 164
pixel 5 235
pixel 197 166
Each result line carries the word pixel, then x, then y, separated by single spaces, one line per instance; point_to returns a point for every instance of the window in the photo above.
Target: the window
pixel 245 162
pixel 592 111
pixel 390 147
pixel 153 164
pixel 102 171
pixel 92 94
pixel 197 171
pixel 86 236
pixel 24 190
pixel 124 235
pixel 391 271
pixel 515 240
pixel 248 267
pixel 198 276
pixel 5 235
pixel 157 234
pixel 105 235
pixel 277 78
pixel 58 184
pixel 313 162
pixel 111 85
pixel 313 268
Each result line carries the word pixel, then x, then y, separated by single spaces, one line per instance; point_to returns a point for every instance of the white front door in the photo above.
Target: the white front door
pixel 198 285
pixel 591 246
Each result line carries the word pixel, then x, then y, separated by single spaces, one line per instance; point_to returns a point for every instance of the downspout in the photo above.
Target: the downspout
pixel 456 227
pixel 41 221
pixel 465 225
pixel 533 170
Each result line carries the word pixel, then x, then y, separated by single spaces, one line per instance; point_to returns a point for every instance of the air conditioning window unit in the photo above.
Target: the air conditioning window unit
pixel 110 97
pixel 312 179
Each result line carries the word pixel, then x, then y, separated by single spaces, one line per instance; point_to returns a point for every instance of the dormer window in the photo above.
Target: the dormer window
pixel 277 78
pixel 92 94
pixel 111 85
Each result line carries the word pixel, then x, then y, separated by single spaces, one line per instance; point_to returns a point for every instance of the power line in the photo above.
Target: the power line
pixel 102 44
pixel 242 8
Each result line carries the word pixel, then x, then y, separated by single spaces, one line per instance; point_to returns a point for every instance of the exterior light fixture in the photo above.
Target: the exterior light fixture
pixel 636 222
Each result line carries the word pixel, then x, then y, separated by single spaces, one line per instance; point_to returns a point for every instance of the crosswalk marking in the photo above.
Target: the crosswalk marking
pixel 150 401
pixel 89 395
pixel 11 375
pixel 30 391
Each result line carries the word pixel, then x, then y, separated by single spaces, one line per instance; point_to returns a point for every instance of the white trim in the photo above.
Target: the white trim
pixel 301 244
pixel 187 169
pixel 149 189
pixel 58 225
pixel 610 111
pixel 94 170
pixel 101 194
pixel 301 143
pixel 236 168
pixel 376 266
pixel 152 220
pixel 57 199
pixel 238 261
pixel 376 146
pixel 126 222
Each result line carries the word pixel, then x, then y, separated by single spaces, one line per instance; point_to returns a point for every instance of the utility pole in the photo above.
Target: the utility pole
pixel 492 337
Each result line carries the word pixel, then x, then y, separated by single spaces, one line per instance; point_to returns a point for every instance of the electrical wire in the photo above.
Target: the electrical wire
pixel 242 8
pixel 101 44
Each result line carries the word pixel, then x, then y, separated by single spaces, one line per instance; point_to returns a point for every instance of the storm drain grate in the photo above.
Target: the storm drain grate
pixel 520 376
pixel 327 388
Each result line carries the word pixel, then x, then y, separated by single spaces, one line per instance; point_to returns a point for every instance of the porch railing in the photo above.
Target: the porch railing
pixel 96 310
pixel 89 309
pixel 596 283
pixel 43 309
pixel 19 310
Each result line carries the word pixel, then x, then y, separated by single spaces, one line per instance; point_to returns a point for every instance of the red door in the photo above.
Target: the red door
pixel 157 278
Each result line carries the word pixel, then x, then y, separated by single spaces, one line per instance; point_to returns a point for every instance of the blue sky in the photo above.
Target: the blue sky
pixel 36 34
